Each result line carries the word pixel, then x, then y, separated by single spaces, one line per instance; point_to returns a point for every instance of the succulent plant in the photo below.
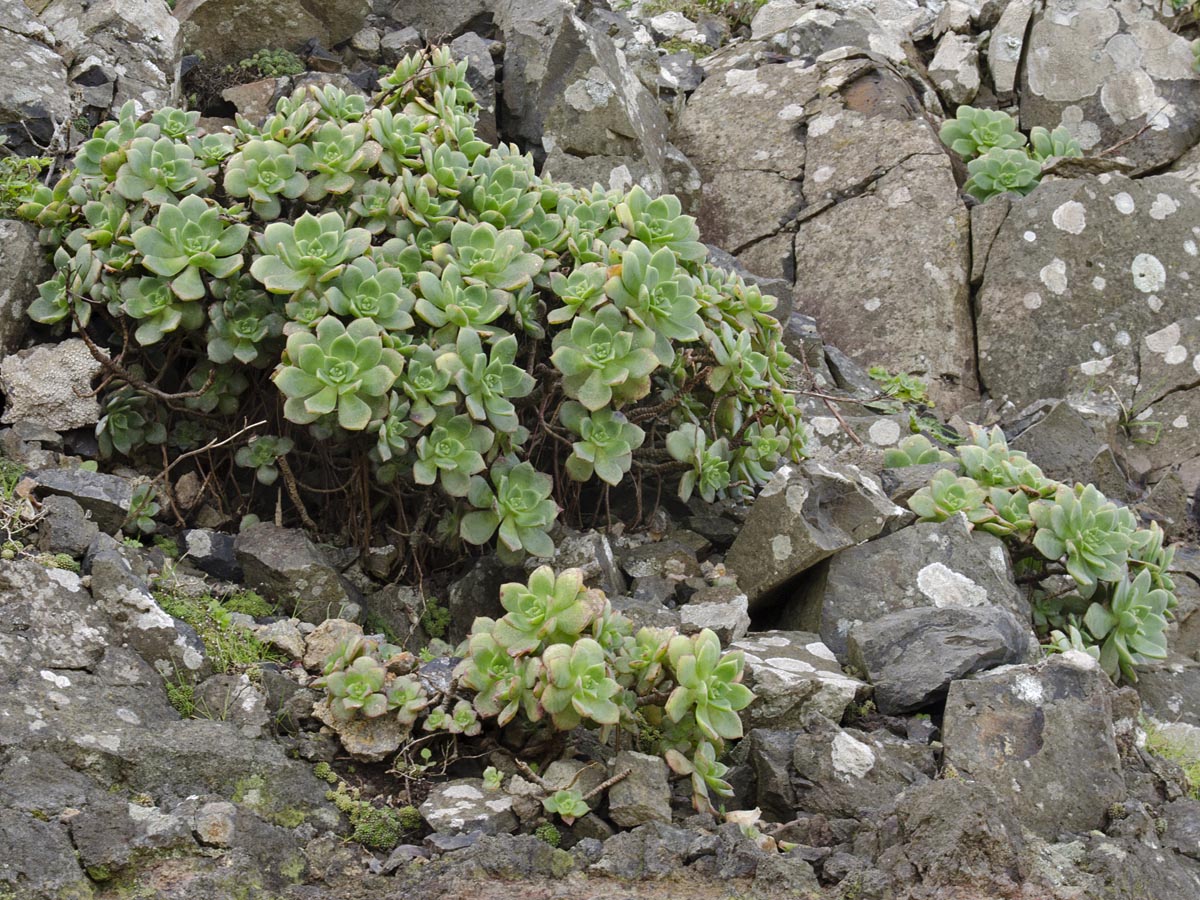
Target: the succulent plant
pixel 656 293
pixel 568 803
pixel 707 772
pixel 265 172
pixel 1045 144
pixel 483 255
pixel 1147 553
pixel 342 368
pixel 211 151
pixel 1001 171
pixel 159 171
pixel 395 430
pixel 708 685
pixel 357 689
pixel 158 309
pixel 1093 534
pixel 128 423
pixel 1011 513
pixel 451 454
pixel 451 301
pixel 987 458
pixel 224 386
pixel 739 366
pixel 241 325
pixel 578 685
pixel 499 680
pixel 915 450
pixel 606 444
pixel 426 384
pixel 709 461
pixel 947 495
pixel 549 609
pixel 68 292
pixel 604 359
pixel 177 124
pixel 406 698
pixel 660 223
pixel 504 193
pixel 517 506
pixel 1132 628
pixel 488 382
pixel 187 239
pixel 336 156
pixel 365 291
pixel 261 455
pixel 336 105
pixel 400 138
pixel 973 132
pixel 313 251
pixel 581 292
pixel 143 507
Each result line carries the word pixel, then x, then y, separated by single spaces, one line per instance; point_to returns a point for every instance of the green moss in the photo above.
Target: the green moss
pixel 375 827
pixel 254 792
pixel 548 833
pixel 323 771
pixel 293 869
pixel 410 817
pixel 58 561
pixel 435 618
pixel 169 546
pixel 230 647
pixel 99 873
pixel 289 818
pixel 182 696
pixel 249 603
pixel 272 63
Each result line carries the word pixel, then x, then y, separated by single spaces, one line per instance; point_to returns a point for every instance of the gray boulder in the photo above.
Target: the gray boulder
pixel 118 50
pixel 217 29
pixel 65 527
pixel 1106 73
pixel 804 515
pixel 912 655
pixel 1170 689
pixel 22 266
pixel 642 796
pixel 929 564
pixel 48 620
pixel 465 805
pixel 1021 730
pixel 106 498
pixel 39 859
pixel 794 675
pixel 34 93
pixel 289 569
pixel 212 552
pixel 51 384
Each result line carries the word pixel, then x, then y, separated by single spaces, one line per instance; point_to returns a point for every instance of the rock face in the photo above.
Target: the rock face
pixel 51 384
pixel 118 50
pixel 1104 71
pixel 217 29
pixel 794 675
pixel 843 142
pixel 805 515
pixel 288 567
pixel 939 565
pixel 912 655
pixel 33 84
pixel 1055 318
pixel 22 267
pixel 1019 729
pixel 465 805
pixel 106 498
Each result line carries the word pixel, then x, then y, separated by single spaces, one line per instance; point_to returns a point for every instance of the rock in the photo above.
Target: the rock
pixel 591 552
pixel 398 608
pixel 216 29
pixel 912 655
pixel 679 72
pixel 395 45
pixel 22 266
pixel 168 644
pixel 642 796
pixel 722 608
pixel 955 69
pixel 39 858
pixel 802 516
pixel 439 21
pixel 838 772
pixel 1056 322
pixel 366 42
pixel 666 559
pixel 232 698
pixel 212 552
pixel 48 620
pixel 215 824
pixel 463 805
pixel 287 567
pixel 1018 730
pixel 583 776
pixel 929 564
pixel 51 384
pixel 368 740
pixel 132 45
pixel 255 100
pixel 1006 45
pixel 34 93
pixel 65 527
pixel 1105 74
pixel 326 639
pixel 655 850
pixel 570 91
pixel 481 76
pixel 1063 444
pixel 110 834
pixel 105 498
pixel 793 676
pixel 1170 689
pixel 477 593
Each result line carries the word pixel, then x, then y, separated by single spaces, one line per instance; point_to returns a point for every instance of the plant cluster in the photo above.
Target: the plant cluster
pixel 395 298
pixel 268 63
pixel 999 158
pixel 18 178
pixel 559 658
pixel 1101 583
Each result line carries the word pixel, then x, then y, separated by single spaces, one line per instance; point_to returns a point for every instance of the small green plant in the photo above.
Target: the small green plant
pixel 231 648
pixel 272 63
pixel 249 603
pixel 435 618
pixel 996 154
pixel 1168 745
pixel 19 176
pixel 899 389
pixel 915 450
pixel 568 804
pixel 1122 593
pixel 261 455
pixel 375 827
pixel 549 833
pixel 493 778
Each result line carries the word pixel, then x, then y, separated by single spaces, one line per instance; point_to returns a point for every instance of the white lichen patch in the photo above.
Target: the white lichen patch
pixel 1124 203
pixel 1164 339
pixel 851 757
pixel 1071 217
pixel 791 112
pixel 1164 205
pixel 947 588
pixel 1095 366
pixel 884 433
pixel 1028 688
pixel 1030 236
pixel 1175 355
pixel 59 681
pixel 818 649
pixel 823 174
pixel 1179 422
pixel 462 792
pixel 824 425
pixel 1148 273
pixel 873 304
pixel 1099 283
pixel 781 547
pixel 1054 276
pixel 1032 300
